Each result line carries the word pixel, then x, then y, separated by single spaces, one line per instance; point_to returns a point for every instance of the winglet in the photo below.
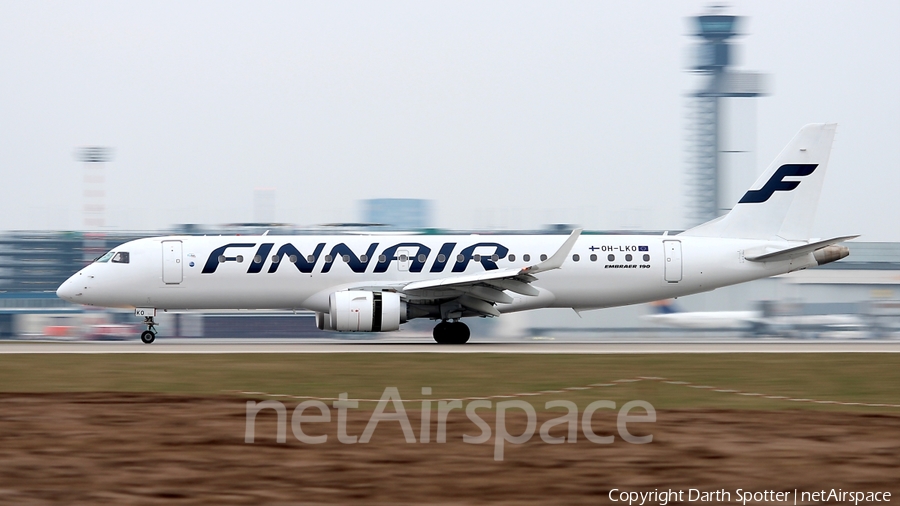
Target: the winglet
pixel 556 261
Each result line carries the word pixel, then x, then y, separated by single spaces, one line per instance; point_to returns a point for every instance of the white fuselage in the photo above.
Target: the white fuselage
pixel 241 272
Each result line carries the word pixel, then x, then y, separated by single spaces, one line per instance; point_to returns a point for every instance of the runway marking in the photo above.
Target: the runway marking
pixel 617 382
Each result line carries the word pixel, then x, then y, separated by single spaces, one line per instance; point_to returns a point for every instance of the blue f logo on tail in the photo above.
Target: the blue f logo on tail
pixel 775 183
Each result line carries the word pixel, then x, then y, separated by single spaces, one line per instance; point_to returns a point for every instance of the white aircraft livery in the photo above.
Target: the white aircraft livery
pixel 376 283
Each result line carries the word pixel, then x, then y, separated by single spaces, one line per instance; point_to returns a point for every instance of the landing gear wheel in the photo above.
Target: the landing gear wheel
pixel 148 335
pixel 451 332
pixel 441 332
pixel 460 332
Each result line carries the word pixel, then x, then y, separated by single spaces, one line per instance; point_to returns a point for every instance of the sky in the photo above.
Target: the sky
pixel 505 114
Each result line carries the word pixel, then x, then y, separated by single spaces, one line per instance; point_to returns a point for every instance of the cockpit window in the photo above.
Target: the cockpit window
pixel 105 258
pixel 121 257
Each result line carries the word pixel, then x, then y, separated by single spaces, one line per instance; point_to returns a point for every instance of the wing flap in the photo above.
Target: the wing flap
pixel 478 305
pixel 514 285
pixel 486 293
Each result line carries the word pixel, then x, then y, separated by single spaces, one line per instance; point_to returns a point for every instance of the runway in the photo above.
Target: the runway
pixel 509 347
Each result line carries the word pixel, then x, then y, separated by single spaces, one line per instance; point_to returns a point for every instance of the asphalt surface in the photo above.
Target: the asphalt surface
pixel 213 346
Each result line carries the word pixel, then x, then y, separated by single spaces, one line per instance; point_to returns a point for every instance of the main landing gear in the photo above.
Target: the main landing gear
pixel 148 335
pixel 451 332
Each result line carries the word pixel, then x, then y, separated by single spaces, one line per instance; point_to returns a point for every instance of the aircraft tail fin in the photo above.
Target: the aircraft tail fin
pixel 781 204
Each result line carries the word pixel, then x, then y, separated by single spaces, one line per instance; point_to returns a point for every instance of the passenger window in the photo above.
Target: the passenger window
pixel 512 258
pixel 543 257
pixel 382 259
pixel 346 258
pixel 495 257
pixel 576 257
pixel 646 257
pixel 310 259
pixel 121 257
pixel 476 257
pixel 421 258
pixel 593 257
pixel 628 257
pixel 526 257
pixel 328 259
pixel 441 258
pixel 363 258
pixel 611 258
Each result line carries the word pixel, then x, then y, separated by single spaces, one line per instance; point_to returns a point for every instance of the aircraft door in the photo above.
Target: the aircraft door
pixel 403 260
pixel 172 266
pixel 673 260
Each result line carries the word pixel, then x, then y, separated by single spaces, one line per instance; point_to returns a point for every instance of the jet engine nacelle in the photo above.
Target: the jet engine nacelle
pixel 830 254
pixel 362 311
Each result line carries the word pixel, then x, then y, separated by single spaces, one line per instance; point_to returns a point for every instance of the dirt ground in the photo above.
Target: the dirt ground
pixel 105 448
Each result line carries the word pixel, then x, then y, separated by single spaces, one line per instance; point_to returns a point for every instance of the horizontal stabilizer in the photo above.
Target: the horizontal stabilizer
pixel 796 251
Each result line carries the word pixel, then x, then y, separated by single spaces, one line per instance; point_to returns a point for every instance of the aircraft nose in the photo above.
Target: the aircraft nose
pixel 68 290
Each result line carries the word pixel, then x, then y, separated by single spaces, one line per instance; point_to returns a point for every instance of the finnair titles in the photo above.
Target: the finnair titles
pixel 377 283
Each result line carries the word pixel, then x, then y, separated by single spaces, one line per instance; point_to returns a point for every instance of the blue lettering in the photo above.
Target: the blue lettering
pixel 301 262
pixel 212 263
pixel 486 261
pixel 355 263
pixel 391 253
pixel 446 250
pixel 261 254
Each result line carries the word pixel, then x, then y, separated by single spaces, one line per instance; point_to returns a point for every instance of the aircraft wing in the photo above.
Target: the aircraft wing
pixel 479 292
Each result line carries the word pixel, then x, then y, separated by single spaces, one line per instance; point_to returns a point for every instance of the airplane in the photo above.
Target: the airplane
pixel 759 322
pixel 667 315
pixel 376 283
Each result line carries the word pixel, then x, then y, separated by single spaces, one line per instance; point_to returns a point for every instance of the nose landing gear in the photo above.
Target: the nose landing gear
pixel 148 335
pixel 451 332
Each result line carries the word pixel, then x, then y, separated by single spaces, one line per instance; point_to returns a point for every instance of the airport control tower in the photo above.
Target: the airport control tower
pixel 717 162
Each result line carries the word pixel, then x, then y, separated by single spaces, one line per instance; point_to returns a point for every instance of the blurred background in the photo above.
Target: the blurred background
pixel 125 120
